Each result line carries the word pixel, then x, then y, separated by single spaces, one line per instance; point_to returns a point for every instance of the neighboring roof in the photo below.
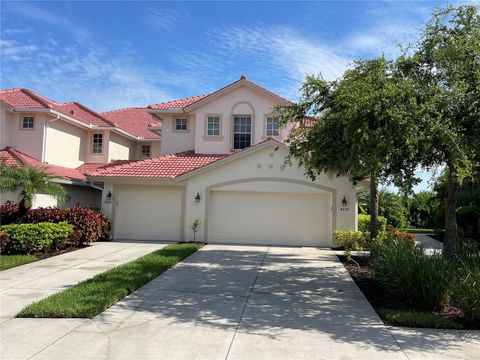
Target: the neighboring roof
pixel 166 166
pixel 169 166
pixel 21 97
pixel 14 158
pixel 178 103
pixel 194 101
pixel 134 121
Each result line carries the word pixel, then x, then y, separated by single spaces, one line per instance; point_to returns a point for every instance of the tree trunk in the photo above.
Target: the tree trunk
pixel 373 207
pixel 451 229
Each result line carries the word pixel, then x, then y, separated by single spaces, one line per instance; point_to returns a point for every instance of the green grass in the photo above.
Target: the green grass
pixel 417 319
pixel 419 231
pixel 91 297
pixel 10 261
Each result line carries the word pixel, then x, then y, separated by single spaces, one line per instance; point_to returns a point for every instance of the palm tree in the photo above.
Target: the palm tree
pixel 30 181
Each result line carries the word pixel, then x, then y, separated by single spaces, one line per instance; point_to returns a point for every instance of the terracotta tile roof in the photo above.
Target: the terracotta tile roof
pixel 178 103
pixel 89 167
pixel 12 157
pixel 166 166
pixel 27 98
pixel 134 121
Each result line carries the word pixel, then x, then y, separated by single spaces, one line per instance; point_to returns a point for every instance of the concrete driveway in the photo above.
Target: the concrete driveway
pixel 237 302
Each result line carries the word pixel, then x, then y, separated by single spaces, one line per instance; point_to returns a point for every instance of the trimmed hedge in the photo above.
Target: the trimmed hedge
pixel 41 237
pixel 364 223
pixel 89 225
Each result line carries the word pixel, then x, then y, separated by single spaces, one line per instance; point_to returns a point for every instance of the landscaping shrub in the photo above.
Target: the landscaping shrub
pixel 4 242
pixel 364 223
pixel 395 234
pixel 89 225
pixel 466 290
pixel 40 237
pixel 424 282
pixel 350 241
pixel 9 212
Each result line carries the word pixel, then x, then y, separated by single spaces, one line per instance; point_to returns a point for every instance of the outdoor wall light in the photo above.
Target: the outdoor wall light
pixel 197 198
pixel 344 202
pixel 108 198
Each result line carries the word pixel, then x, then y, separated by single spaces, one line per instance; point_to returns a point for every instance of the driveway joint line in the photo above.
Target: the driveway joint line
pixel 246 302
pixel 57 340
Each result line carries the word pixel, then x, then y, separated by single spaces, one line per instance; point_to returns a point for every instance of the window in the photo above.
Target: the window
pixel 213 126
pixel 146 151
pixel 272 126
pixel 242 132
pixel 28 122
pixel 97 143
pixel 181 124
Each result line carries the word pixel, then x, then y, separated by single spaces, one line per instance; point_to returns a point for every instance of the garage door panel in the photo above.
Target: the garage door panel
pixel 148 213
pixel 296 219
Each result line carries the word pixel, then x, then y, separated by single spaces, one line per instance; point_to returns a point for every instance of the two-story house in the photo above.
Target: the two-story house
pixel 68 139
pixel 223 162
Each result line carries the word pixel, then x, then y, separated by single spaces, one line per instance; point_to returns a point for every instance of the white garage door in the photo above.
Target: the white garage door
pixel 294 219
pixel 148 213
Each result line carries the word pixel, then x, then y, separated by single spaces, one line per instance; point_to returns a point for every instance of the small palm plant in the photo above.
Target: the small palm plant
pixel 30 181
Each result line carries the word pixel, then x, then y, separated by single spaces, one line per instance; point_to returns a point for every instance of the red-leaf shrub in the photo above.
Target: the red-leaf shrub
pixel 393 233
pixel 88 224
pixel 9 212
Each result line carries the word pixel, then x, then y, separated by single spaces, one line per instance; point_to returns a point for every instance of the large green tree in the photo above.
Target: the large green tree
pixel 30 182
pixel 362 130
pixel 444 68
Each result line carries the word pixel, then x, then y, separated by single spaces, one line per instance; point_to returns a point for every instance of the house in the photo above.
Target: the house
pixel 222 161
pixel 69 139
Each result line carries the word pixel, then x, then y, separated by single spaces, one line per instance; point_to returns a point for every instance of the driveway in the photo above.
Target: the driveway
pixel 25 284
pixel 238 302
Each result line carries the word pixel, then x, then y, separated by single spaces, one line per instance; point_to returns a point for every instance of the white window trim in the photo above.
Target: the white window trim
pixel 252 130
pixel 213 137
pixel 265 136
pixel 91 143
pixel 21 122
pixel 174 127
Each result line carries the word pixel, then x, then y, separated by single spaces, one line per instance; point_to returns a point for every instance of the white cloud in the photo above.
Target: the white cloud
pixel 99 78
pixel 168 18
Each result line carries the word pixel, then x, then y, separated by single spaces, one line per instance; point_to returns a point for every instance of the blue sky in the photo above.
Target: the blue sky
pixel 117 54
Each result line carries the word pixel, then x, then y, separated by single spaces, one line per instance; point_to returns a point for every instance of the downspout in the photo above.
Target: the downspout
pixel 44 145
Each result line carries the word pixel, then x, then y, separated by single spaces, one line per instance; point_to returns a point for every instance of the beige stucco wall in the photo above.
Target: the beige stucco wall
pixel 43 200
pixel 29 141
pixel 120 148
pixel 173 141
pixel 267 165
pixel 97 158
pixel 240 101
pixel 66 144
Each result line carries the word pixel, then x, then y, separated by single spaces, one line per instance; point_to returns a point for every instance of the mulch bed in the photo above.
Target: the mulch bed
pixel 380 299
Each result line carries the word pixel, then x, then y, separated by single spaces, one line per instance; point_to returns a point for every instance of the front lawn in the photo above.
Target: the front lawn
pixel 10 261
pixel 419 231
pixel 89 298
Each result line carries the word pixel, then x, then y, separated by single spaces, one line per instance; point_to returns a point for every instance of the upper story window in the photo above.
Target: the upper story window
pixel 28 122
pixel 146 151
pixel 242 132
pixel 272 128
pixel 181 124
pixel 97 143
pixel 213 125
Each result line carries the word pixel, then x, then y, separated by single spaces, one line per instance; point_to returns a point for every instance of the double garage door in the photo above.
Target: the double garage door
pixel 269 218
pixel 235 217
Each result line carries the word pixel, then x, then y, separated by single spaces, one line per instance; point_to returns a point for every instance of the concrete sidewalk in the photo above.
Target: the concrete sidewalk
pixel 238 302
pixel 28 283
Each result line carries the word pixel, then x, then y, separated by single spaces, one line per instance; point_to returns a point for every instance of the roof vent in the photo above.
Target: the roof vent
pixel 243 77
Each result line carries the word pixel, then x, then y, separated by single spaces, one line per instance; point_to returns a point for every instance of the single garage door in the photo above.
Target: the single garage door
pixel 148 213
pixel 270 218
